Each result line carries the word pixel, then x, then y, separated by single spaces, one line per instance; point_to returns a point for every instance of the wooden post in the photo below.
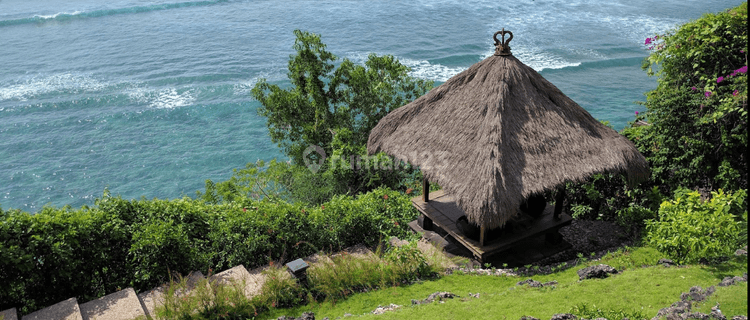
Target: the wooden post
pixel 559 201
pixel 481 236
pixel 425 190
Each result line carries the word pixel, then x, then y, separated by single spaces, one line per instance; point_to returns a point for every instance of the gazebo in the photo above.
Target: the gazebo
pixel 494 135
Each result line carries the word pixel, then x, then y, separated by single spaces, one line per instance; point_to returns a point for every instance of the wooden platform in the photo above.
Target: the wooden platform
pixel 443 212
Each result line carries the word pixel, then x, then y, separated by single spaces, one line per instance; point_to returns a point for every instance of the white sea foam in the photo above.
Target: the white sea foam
pixel 53 16
pixel 243 88
pixel 66 82
pixel 423 69
pixel 169 99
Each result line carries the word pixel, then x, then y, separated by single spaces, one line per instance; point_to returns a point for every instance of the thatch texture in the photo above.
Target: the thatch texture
pixel 499 132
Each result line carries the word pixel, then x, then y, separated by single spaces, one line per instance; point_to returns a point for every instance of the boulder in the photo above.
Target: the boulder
pixel 597 271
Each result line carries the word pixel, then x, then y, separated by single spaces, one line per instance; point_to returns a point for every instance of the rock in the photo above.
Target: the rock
pixel 307 316
pixel 728 281
pixel 531 282
pixel 564 316
pixel 697 294
pixel 391 307
pixel 347 314
pixel 440 296
pixel 740 252
pixel 666 262
pixel 536 284
pixel 739 317
pixel 437 295
pixel 698 315
pixel 675 311
pixel 597 271
pixel 474 295
pixel 528 318
pixel 304 316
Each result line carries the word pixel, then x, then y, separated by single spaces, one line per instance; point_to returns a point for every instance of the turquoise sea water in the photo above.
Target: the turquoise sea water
pixel 150 98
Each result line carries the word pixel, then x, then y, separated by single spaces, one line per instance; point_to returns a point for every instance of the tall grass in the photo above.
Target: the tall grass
pixel 330 279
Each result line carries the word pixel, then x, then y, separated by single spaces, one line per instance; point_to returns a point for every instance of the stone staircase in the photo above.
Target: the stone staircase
pixel 127 305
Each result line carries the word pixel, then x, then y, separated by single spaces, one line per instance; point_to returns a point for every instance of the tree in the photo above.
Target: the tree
pixel 324 99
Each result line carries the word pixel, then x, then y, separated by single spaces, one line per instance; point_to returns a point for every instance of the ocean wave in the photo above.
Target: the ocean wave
pixel 38 86
pixel 423 69
pixel 64 16
pixel 170 99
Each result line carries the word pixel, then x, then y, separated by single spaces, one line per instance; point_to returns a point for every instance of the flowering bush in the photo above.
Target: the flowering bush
pixel 698 113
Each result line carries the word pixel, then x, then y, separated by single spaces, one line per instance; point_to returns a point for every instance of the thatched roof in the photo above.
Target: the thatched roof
pixel 499 132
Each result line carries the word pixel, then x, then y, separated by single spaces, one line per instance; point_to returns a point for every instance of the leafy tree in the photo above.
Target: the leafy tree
pixel 324 99
pixel 698 112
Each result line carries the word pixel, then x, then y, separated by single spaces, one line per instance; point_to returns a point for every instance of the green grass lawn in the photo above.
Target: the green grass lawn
pixel 641 288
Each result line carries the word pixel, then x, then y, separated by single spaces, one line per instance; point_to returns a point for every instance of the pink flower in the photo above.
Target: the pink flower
pixel 707 94
pixel 741 70
pixel 648 41
pixel 719 80
pixel 735 92
pixel 636 113
pixel 693 88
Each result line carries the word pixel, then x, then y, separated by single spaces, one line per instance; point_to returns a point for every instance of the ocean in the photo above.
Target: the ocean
pixel 151 98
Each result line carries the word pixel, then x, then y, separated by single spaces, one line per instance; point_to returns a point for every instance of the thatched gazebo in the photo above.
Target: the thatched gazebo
pixel 497 133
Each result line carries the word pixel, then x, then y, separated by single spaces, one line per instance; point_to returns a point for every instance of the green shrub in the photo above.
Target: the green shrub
pixel 689 229
pixel 607 197
pixel 89 252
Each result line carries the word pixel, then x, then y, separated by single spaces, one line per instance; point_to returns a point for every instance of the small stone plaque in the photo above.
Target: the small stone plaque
pixel 297 266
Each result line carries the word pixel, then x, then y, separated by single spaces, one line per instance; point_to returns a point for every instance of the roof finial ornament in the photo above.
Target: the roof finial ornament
pixel 501 47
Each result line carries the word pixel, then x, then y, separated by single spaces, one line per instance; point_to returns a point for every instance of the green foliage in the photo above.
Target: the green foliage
pixel 697 137
pixel 87 253
pixel 334 109
pixel 324 99
pixel 689 228
pixel 698 112
pixel 607 197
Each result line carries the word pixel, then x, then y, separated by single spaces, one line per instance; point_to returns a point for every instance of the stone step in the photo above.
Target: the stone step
pixel 155 297
pixel 64 310
pixel 10 314
pixel 251 281
pixel 121 305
